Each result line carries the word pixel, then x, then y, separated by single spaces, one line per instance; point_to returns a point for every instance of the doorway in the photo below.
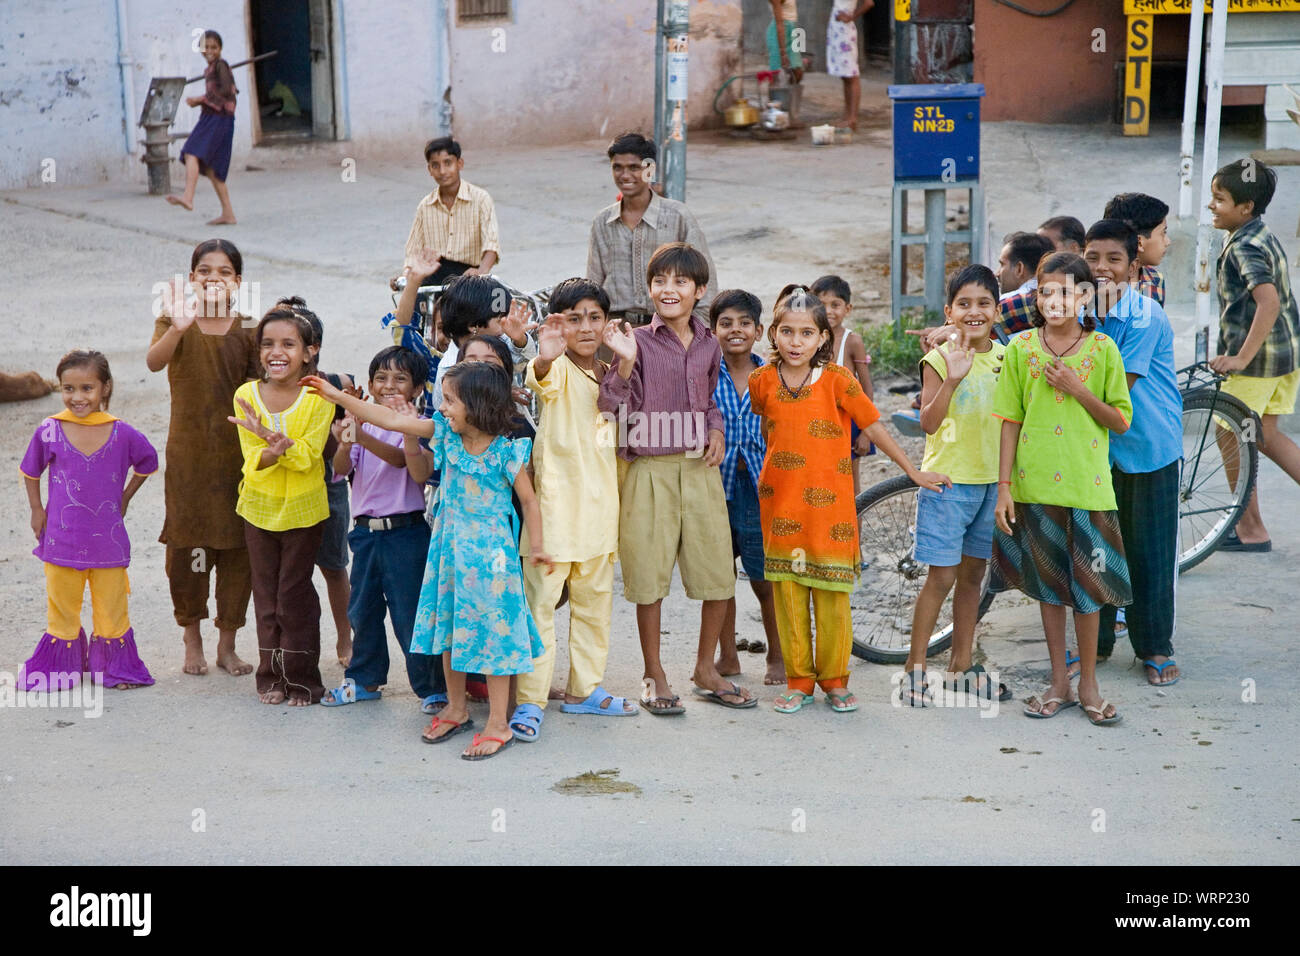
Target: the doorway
pixel 295 88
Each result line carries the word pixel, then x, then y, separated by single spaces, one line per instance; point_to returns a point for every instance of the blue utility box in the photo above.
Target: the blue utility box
pixel 937 131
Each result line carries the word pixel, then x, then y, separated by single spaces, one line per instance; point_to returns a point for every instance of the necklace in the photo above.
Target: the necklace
pixel 794 392
pixel 1061 354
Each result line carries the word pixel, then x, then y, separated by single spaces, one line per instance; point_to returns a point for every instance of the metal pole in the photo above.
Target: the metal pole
pixel 1209 156
pixel 659 75
pixel 902 63
pixel 1191 93
pixel 672 148
pixel 935 247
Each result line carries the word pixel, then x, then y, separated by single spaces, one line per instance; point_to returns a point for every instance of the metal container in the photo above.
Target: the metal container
pixel 741 114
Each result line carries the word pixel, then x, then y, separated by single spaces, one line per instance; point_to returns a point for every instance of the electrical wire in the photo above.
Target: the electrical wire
pixel 1035 13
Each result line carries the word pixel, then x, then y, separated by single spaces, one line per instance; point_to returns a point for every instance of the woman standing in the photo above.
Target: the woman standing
pixel 207 150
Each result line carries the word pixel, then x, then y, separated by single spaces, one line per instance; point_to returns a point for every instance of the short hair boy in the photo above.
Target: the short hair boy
pixel 1259 325
pixel 673 508
pixel 1145 460
pixel 389 539
pixel 1149 216
pixel 736 319
pixel 1065 233
pixel 474 304
pixel 576 476
pixel 457 221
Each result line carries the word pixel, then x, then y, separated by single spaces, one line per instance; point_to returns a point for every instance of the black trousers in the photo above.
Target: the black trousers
pixel 1148 522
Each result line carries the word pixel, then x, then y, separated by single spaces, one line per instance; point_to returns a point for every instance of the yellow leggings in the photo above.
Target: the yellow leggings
pixel 65 588
pixel 829 667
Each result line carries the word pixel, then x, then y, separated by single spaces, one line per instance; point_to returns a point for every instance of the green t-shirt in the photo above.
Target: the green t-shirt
pixel 1063 457
pixel 965 447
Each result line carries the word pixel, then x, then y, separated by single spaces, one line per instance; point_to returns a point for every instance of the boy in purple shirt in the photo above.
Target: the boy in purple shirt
pixel 673 510
pixel 389 538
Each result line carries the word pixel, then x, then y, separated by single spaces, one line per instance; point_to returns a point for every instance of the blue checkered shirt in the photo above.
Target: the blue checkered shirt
pixel 743 431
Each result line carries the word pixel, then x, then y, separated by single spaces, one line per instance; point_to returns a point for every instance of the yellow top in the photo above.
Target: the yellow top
pixel 291 493
pixel 965 448
pixel 574 464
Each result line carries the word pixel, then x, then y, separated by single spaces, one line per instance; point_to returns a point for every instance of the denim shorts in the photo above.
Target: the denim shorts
pixel 746 527
pixel 333 552
pixel 955 523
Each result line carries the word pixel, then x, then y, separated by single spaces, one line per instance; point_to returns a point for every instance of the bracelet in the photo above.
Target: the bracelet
pixel 1004 482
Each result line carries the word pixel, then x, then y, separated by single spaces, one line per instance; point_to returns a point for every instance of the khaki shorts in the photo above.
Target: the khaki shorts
pixel 1265 396
pixel 673 511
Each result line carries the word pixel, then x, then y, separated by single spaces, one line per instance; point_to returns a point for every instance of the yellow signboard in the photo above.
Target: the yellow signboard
pixel 902 10
pixel 1148 7
pixel 1137 75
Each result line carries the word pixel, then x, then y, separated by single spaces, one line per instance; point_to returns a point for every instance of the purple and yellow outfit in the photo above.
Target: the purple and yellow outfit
pixel 85 541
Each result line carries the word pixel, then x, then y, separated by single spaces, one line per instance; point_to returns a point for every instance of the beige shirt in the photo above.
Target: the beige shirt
pixel 462 233
pixel 574 465
pixel 617 256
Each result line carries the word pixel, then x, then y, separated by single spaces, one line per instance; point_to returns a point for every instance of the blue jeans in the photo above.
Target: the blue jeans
pixel 387 571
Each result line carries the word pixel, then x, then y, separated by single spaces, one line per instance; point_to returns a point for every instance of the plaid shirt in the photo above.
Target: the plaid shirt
pixel 1251 257
pixel 1151 283
pixel 742 428
pixel 1017 315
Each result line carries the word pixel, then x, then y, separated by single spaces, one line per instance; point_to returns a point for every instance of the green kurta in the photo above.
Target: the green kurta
pixel 1063 457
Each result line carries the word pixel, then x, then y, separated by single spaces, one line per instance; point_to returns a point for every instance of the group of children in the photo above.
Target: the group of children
pixel 1054 455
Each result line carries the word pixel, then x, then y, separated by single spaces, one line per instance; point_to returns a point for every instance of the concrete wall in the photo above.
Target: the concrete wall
pixel 1042 69
pixel 580 70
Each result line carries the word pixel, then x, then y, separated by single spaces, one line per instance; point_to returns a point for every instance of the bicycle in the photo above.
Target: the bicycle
pixel 1217 479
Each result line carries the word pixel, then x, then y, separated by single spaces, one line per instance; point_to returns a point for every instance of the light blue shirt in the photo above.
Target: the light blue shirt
pixel 1141 330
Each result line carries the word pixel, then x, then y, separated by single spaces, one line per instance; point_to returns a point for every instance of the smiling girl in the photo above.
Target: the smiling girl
pixel 80 532
pixel 282 499
pixel 207 150
pixel 805 494
pixel 1060 393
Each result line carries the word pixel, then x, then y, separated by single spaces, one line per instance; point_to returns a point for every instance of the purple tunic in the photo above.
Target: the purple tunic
pixel 84 527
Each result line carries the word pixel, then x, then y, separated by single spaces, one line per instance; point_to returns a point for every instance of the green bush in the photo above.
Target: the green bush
pixel 895 353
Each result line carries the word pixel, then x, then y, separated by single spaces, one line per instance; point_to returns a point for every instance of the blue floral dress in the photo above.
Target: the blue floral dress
pixel 472 599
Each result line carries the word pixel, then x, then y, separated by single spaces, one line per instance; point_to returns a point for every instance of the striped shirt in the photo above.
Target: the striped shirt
pixel 462 233
pixel 666 407
pixel 744 430
pixel 617 256
pixel 1151 284
pixel 1252 257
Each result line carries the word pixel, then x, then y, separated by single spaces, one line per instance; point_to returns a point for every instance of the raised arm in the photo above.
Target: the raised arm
pixel 368 411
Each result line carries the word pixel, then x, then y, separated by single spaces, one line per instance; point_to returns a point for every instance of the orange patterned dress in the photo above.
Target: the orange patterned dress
pixel 805 492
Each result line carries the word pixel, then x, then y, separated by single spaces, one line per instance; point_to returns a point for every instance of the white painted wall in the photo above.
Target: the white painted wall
pixel 572 69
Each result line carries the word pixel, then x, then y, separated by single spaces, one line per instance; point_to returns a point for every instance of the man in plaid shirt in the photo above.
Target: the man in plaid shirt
pixel 1259 325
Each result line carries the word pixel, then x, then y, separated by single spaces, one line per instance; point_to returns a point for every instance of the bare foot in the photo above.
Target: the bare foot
pixel 728 666
pixel 775 673
pixel 126 686
pixel 723 688
pixel 222 221
pixel 272 697
pixel 299 701
pixel 178 201
pixel 556 693
pixel 195 662
pixel 233 664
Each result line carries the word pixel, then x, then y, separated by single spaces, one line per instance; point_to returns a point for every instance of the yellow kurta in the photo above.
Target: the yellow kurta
pixel 291 493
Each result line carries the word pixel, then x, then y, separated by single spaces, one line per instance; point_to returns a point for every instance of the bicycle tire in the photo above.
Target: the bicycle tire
pixel 1220 410
pixel 881 604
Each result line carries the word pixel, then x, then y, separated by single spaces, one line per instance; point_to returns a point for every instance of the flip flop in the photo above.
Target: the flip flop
pixel 963 680
pixel 912 697
pixel 592 705
pixel 1039 715
pixel 433 704
pixel 717 697
pixel 839 703
pixel 1233 543
pixel 648 702
pixel 756 647
pixel 1160 670
pixel 348 693
pixel 1100 721
pixel 525 718
pixel 477 690
pixel 457 729
pixel 803 701
pixel 1068 662
pixel 503 741
pixel 742 644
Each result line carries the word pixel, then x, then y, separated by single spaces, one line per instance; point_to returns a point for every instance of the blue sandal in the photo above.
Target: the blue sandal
pixel 1160 670
pixel 527 717
pixel 592 705
pixel 349 693
pixel 433 704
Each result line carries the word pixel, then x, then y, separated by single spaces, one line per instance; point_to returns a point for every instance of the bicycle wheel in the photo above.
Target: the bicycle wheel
pixel 891 578
pixel 1219 434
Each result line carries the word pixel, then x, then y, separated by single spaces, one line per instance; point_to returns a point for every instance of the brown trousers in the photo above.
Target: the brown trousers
pixel 188 572
pixel 287 610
